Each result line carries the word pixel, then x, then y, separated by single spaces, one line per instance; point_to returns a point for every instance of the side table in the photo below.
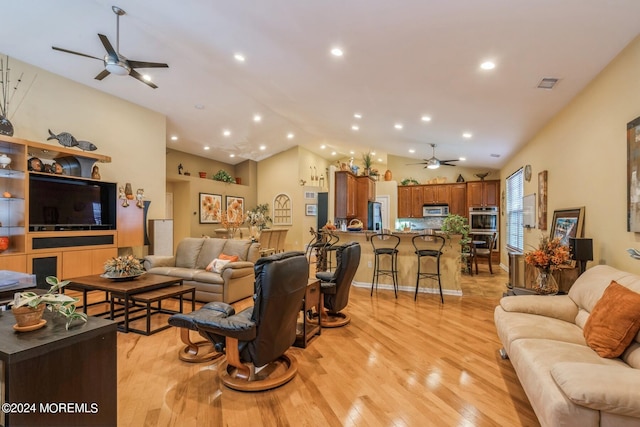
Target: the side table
pixel 308 329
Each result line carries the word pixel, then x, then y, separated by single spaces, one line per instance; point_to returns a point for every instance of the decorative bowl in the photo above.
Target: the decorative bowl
pixel 354 228
pixel 116 278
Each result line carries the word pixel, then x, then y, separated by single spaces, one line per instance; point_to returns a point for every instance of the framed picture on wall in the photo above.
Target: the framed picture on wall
pixel 210 208
pixel 633 178
pixel 311 210
pixel 567 223
pixel 235 209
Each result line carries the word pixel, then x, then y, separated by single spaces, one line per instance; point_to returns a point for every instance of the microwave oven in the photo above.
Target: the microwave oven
pixel 483 219
pixel 435 210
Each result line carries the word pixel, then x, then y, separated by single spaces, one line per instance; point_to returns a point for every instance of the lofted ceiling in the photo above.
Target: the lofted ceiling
pixel 402 60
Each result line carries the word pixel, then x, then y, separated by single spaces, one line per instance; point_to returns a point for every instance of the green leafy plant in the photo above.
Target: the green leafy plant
pixel 409 181
pixel 367 160
pixel 55 301
pixel 223 175
pixel 456 224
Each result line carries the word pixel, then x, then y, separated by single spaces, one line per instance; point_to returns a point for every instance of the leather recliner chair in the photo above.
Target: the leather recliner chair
pixel 335 286
pixel 259 336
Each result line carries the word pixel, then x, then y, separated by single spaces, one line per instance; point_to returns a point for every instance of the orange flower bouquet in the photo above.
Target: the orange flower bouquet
pixel 549 256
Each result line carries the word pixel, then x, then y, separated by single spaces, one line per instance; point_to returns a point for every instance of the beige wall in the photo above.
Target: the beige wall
pixel 584 150
pixel 133 136
pixel 401 168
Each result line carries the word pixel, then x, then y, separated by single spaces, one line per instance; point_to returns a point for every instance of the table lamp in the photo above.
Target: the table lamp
pixel 582 250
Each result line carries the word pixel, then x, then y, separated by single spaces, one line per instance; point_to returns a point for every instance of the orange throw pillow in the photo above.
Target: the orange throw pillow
pixel 232 258
pixel 614 321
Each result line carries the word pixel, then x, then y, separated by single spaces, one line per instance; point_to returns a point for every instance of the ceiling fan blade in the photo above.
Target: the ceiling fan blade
pixel 142 64
pixel 75 53
pixel 421 163
pixel 137 75
pixel 102 75
pixel 452 160
pixel 107 45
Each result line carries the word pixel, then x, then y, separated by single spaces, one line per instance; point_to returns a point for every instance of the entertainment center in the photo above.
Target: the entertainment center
pixel 59 221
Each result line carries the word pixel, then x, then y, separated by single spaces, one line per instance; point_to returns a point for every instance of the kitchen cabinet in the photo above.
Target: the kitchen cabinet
pixel 483 193
pixel 458 199
pixel 438 193
pixel 412 197
pixel 410 201
pixel 346 195
pixel 366 192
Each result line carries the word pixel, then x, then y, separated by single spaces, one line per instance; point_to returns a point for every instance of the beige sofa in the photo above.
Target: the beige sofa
pixel 233 283
pixel 568 383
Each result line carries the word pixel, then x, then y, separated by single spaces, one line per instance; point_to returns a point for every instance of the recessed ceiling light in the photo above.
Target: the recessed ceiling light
pixel 425 118
pixel 336 51
pixel 355 127
pixel 206 147
pixel 322 147
pixel 226 132
pixel 146 77
pixel 488 65
pixel 373 153
pixel 467 135
pixel 411 150
pixel 263 147
pixel 379 160
pixel 239 57
pixel 357 115
pixel 352 152
pixel 333 153
pixel 257 118
pixel 398 126
pixel 290 135
pixel 462 159
pixel 232 155
pixel 199 107
pixel 174 138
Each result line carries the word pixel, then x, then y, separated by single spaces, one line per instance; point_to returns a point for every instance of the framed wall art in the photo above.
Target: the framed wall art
pixel 311 210
pixel 235 209
pixel 633 180
pixel 210 208
pixel 567 223
pixel 542 200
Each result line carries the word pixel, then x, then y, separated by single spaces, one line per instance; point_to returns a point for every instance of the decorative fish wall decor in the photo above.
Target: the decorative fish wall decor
pixel 86 146
pixel 65 139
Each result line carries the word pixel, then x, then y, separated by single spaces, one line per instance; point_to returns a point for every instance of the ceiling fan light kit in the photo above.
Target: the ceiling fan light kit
pixel 114 62
pixel 433 162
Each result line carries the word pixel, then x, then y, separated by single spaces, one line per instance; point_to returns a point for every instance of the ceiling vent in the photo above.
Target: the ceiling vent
pixel 547 83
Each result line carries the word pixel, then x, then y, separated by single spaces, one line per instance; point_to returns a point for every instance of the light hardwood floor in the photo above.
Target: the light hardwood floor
pixel 398 363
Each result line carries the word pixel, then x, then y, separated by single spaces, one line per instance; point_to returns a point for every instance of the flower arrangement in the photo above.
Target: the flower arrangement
pixel 550 255
pixel 123 266
pixel 259 217
pixel 232 222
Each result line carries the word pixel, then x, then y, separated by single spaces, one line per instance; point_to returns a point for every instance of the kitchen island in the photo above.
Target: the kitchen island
pixel 408 264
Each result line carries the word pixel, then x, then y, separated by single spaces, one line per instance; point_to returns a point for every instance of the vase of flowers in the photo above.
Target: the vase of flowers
pixel 549 256
pixel 257 219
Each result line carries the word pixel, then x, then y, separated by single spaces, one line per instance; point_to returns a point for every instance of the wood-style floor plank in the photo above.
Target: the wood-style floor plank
pixel 399 362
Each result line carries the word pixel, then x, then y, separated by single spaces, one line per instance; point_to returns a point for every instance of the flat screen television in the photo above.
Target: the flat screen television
pixel 58 203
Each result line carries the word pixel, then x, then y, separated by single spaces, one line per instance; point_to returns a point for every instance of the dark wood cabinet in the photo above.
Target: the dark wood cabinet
pixel 346 195
pixel 411 198
pixel 483 193
pixel 365 193
pixel 458 199
pixel 404 202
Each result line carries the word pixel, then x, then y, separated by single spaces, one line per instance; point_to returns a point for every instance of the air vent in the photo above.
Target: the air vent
pixel 547 83
pixel 495 155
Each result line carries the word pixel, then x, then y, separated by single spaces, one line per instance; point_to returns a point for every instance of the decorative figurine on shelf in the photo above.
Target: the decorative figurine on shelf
pixel 122 196
pixel 95 172
pixel 180 168
pixel 34 164
pixel 128 191
pixel 5 161
pixel 65 139
pixel 86 146
pixel 57 168
pixel 139 197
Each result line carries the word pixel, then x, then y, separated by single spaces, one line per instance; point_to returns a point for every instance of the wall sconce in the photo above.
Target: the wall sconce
pixel 582 250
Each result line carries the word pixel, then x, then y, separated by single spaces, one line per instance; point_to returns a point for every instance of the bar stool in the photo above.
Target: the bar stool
pixel 385 245
pixel 332 246
pixel 428 246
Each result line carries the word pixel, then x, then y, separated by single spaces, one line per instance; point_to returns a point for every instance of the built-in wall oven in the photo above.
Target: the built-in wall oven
pixel 483 219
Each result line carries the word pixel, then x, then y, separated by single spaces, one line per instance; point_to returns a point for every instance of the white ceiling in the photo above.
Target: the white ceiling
pixel 403 59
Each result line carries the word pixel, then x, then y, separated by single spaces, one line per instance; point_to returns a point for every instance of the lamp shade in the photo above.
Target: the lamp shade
pixel 581 248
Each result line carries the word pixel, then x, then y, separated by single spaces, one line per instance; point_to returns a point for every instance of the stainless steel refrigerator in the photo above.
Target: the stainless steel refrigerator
pixel 374 217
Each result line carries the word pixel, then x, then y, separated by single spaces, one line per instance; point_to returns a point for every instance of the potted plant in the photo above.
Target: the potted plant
pixel 456 224
pixel 223 175
pixel 367 161
pixel 28 306
pixel 123 267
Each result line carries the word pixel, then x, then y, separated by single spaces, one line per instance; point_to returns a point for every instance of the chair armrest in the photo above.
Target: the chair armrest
pixel 607 388
pixel 151 261
pixel 187 320
pixel 558 306
pixel 239 326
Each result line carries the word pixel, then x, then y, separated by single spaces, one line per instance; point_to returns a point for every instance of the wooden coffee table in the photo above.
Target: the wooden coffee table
pixel 121 289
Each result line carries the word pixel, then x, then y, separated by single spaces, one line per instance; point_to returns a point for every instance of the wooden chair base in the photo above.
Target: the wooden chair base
pixel 335 320
pixel 275 374
pixel 196 352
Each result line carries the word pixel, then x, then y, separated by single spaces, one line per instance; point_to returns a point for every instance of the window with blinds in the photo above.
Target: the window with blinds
pixel 515 194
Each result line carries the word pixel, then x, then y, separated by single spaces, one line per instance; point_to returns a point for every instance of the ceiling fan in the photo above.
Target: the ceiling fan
pixel 433 162
pixel 114 62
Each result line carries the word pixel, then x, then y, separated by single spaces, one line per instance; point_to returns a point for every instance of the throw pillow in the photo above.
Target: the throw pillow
pixel 217 264
pixel 232 258
pixel 614 321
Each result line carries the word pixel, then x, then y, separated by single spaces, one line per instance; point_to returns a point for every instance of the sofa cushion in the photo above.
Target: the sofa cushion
pixel 605 388
pixel 207 277
pixel 240 248
pixel 188 251
pixel 614 321
pixel 232 258
pixel 211 249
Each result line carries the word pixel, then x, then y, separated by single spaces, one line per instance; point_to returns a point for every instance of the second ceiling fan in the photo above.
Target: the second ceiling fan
pixel 114 62
pixel 433 162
